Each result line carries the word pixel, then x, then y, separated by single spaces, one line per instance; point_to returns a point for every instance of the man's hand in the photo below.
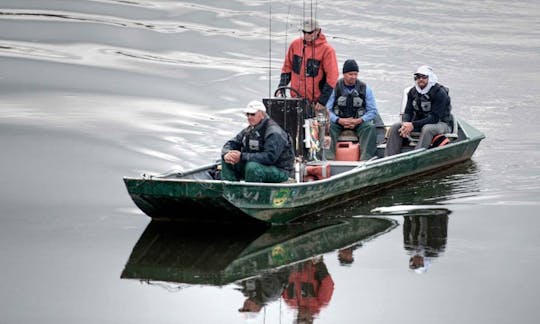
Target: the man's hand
pixel 319 107
pixel 232 157
pixel 327 142
pixel 350 123
pixel 406 129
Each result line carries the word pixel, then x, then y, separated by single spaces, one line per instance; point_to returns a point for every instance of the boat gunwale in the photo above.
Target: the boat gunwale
pixel 360 166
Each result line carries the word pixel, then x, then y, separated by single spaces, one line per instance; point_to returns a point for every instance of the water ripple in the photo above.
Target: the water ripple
pixel 253 31
pixel 20 49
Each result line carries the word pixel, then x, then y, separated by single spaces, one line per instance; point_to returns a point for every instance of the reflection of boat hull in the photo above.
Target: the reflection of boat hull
pixel 168 196
pixel 197 255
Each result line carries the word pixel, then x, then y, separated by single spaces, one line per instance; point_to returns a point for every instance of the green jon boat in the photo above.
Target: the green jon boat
pixel 173 195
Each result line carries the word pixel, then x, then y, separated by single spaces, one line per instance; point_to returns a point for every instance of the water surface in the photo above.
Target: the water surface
pixel 91 91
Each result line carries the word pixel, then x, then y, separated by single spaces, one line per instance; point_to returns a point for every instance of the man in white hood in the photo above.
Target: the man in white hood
pixel 427 111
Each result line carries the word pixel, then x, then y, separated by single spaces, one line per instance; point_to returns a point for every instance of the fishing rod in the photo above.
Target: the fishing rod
pixel 312 17
pixel 269 49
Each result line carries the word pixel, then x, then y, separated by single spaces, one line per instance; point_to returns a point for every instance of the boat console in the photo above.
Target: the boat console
pixel 293 115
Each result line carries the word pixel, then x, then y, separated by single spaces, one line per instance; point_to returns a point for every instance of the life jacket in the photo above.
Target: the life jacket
pixel 253 141
pixel 422 103
pixel 439 140
pixel 350 103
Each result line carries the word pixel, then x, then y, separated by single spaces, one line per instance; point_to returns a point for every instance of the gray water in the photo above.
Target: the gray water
pixel 91 91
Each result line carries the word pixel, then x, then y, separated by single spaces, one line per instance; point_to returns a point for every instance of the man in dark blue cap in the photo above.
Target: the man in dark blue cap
pixel 352 106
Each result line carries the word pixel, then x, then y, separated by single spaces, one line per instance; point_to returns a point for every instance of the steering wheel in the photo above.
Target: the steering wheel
pixel 283 91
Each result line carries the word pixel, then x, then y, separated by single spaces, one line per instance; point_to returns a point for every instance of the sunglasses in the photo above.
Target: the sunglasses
pixel 420 76
pixel 250 114
pixel 308 32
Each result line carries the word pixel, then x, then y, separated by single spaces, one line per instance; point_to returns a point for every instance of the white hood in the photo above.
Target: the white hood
pixel 432 78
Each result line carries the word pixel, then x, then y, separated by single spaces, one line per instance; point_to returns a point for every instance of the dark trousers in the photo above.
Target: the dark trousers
pixel 395 141
pixel 367 138
pixel 252 172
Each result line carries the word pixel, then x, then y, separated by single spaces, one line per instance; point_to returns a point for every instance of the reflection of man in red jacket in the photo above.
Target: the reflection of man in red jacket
pixel 311 65
pixel 310 288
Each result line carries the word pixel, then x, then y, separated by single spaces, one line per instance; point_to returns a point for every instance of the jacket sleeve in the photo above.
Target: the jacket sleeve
pixel 408 113
pixel 325 94
pixel 330 106
pixel 234 143
pixel 286 69
pixel 284 79
pixel 326 283
pixel 371 106
pixel 287 63
pixel 330 68
pixel 321 271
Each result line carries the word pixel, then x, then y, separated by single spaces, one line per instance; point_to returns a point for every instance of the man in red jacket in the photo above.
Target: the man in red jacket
pixel 311 66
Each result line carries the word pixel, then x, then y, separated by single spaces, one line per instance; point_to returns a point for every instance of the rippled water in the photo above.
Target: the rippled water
pixel 91 91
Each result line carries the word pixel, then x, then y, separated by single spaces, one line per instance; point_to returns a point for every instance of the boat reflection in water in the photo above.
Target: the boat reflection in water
pixel 305 286
pixel 419 201
pixel 424 236
pixel 265 263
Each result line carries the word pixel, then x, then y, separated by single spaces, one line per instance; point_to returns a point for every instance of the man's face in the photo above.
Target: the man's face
pixel 421 80
pixel 254 119
pixel 310 36
pixel 349 78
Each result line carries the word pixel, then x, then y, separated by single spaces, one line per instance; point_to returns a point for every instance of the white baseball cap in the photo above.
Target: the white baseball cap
pixel 254 106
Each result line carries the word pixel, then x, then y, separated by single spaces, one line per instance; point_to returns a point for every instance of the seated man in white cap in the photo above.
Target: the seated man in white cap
pixel 261 152
pixel 427 111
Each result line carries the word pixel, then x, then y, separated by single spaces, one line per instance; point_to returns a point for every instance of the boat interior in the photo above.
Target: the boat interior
pixel 291 112
pixel 295 116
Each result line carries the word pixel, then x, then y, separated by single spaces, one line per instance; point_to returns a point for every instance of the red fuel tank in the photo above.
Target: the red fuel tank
pixel 347 151
pixel 317 172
